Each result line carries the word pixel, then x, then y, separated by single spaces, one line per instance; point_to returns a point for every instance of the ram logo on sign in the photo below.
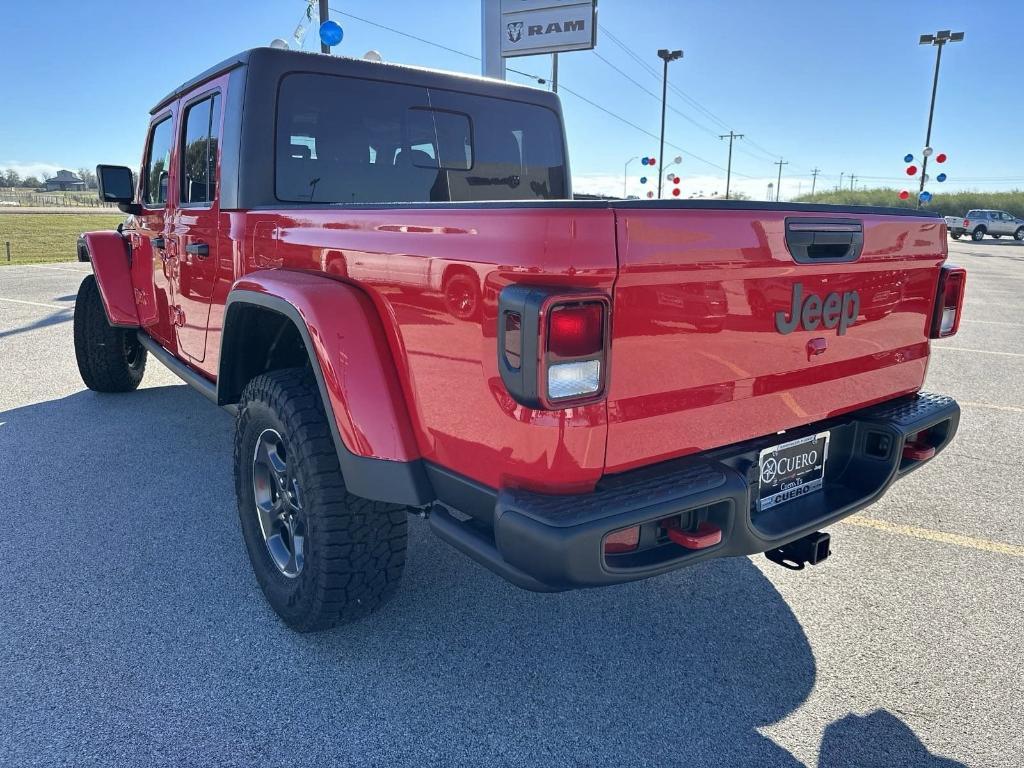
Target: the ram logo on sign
pixel 547 26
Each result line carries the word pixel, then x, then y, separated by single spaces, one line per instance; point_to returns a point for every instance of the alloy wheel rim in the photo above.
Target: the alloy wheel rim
pixel 278 501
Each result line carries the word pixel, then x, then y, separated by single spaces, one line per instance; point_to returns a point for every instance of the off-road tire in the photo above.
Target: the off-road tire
pixel 978 235
pixel 354 549
pixel 1019 234
pixel 109 359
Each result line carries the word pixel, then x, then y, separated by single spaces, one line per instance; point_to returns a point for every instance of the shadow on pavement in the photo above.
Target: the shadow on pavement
pixel 878 740
pixel 132 625
pixel 54 318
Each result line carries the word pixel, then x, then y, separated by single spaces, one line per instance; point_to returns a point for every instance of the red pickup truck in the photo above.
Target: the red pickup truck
pixel 382 271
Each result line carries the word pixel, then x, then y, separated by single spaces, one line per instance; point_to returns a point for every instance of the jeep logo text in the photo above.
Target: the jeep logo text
pixel 831 312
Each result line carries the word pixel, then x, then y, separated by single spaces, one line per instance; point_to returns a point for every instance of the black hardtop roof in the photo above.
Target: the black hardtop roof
pixel 304 61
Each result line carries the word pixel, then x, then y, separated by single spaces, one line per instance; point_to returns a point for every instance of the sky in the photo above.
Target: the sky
pixel 839 86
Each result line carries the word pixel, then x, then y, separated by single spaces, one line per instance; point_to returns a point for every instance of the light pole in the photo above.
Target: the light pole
pixel 665 55
pixel 625 174
pixel 325 14
pixel 939 40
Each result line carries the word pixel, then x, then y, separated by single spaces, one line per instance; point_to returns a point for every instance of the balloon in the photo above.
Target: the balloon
pixel 678 159
pixel 675 192
pixel 904 194
pixel 643 161
pixel 650 195
pixel 908 158
pixel 927 151
pixel 643 179
pixel 331 33
pixel 671 176
pixel 925 197
pixel 926 178
pixel 675 180
pixel 652 161
pixel 941 177
pixel 940 158
pixel 911 170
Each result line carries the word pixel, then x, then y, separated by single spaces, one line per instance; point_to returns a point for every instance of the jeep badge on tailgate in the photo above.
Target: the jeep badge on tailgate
pixel 834 310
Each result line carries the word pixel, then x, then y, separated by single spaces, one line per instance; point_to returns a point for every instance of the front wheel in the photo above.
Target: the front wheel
pixel 321 555
pixel 109 359
pixel 956 235
pixel 978 235
pixel 1019 234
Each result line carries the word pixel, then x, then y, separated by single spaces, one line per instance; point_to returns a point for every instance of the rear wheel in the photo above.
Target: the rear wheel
pixel 978 234
pixel 955 235
pixel 321 555
pixel 1019 234
pixel 109 359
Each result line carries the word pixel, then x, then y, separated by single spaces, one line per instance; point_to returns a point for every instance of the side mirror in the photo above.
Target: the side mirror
pixel 117 185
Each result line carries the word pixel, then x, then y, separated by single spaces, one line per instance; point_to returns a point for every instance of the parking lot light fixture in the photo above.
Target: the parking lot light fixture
pixel 938 40
pixel 665 55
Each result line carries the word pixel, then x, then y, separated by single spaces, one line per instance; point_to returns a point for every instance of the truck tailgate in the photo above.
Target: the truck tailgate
pixel 706 351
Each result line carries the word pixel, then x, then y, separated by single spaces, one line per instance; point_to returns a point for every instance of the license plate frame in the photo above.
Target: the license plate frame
pixel 791 470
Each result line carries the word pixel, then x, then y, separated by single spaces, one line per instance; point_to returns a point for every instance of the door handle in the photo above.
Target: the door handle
pixel 828 241
pixel 158 242
pixel 202 250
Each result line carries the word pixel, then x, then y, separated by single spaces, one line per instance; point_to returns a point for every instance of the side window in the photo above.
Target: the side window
pixel 158 163
pixel 199 151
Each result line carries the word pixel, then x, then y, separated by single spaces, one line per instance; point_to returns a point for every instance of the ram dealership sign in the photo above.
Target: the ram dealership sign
pixel 547 26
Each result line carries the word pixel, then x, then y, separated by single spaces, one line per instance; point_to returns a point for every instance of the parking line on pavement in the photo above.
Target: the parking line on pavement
pixel 38 304
pixel 55 269
pixel 1012 408
pixel 927 534
pixel 992 322
pixel 981 351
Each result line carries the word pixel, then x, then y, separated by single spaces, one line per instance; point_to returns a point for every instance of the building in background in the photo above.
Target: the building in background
pixel 65 181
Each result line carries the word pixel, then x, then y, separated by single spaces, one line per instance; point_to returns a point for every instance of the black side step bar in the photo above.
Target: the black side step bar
pixel 206 387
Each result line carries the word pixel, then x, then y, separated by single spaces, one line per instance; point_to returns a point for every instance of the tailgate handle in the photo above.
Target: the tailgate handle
pixel 824 241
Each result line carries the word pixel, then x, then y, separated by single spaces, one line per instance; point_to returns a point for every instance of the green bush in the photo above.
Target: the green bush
pixel 951 204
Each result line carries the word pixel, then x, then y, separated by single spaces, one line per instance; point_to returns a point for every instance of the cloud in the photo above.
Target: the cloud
pixel 39 170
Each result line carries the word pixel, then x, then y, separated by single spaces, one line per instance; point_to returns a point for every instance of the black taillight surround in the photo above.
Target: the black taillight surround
pixel 948 273
pixel 532 304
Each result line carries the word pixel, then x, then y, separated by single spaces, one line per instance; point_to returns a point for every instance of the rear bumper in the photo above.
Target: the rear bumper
pixel 552 543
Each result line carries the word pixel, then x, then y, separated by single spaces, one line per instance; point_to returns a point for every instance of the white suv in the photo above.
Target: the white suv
pixel 979 223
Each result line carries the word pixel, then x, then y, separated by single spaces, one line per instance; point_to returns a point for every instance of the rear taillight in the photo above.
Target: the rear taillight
pixel 967 224
pixel 552 346
pixel 949 302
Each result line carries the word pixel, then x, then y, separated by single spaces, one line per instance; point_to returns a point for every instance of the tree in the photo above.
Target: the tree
pixel 32 182
pixel 88 177
pixel 12 178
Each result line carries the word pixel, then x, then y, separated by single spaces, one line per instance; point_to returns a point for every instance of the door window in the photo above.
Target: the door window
pixel 199 151
pixel 158 164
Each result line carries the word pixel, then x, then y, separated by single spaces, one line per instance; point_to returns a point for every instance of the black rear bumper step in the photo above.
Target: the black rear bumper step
pixel 545 542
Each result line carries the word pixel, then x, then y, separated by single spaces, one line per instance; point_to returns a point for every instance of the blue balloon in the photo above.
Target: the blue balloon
pixel 331 33
pixel 643 179
pixel 643 161
pixel 925 197
pixel 941 177
pixel 908 158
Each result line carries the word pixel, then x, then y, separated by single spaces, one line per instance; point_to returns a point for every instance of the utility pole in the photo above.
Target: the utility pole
pixel 778 186
pixel 728 170
pixel 840 185
pixel 325 14
pixel 814 178
pixel 939 40
pixel 625 171
pixel 554 72
pixel 853 178
pixel 665 55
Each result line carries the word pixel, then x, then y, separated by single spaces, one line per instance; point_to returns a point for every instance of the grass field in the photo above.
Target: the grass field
pixel 946 204
pixel 48 236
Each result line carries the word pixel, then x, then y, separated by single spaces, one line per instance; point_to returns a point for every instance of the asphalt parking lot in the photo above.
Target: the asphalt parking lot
pixel 133 632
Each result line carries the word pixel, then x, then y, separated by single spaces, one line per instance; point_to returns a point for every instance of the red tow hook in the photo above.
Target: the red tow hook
pixel 706 535
pixel 918 451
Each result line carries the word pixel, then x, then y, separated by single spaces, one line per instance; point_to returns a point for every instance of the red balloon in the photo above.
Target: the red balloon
pixel 904 195
pixel 652 161
pixel 675 192
pixel 940 158
pixel 675 180
pixel 911 170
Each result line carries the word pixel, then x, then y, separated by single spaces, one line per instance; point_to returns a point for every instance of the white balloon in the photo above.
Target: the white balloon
pixel 927 152
pixel 372 55
pixel 278 43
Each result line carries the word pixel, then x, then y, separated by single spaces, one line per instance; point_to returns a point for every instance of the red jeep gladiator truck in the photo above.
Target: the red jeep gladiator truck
pixel 381 270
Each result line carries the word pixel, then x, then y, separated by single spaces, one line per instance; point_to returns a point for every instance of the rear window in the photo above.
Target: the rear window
pixel 345 140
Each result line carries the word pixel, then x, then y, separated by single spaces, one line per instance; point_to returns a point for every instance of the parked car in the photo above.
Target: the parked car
pixel 565 414
pixel 979 223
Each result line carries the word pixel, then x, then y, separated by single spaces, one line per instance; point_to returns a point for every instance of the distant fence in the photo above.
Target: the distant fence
pixel 32 199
